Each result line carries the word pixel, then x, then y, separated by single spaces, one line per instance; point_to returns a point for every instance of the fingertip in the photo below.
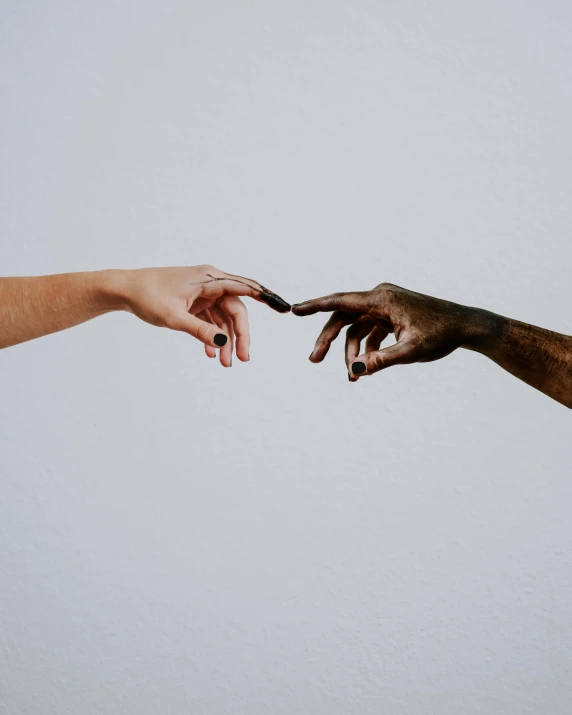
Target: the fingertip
pixel 319 352
pixel 275 302
pixel 242 347
pixel 300 309
pixel 220 340
pixel 359 367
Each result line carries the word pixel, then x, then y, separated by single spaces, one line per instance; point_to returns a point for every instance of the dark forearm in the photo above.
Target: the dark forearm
pixel 36 306
pixel 539 357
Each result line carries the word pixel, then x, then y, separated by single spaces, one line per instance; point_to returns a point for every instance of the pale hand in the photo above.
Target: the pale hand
pixel 202 301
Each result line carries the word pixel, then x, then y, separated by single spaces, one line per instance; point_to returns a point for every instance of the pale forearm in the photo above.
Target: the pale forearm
pixel 539 357
pixel 31 307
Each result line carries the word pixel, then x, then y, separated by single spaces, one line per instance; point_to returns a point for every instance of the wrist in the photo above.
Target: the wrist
pixel 481 329
pixel 110 289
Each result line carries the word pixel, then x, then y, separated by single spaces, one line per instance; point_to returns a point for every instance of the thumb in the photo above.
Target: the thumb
pixel 201 330
pixel 401 353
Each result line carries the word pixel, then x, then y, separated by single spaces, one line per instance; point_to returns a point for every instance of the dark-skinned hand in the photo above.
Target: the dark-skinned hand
pixel 425 328
pixel 429 328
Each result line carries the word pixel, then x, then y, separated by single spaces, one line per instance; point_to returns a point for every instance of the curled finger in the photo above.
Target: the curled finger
pixel 209 349
pixel 375 338
pixel 236 309
pixel 354 335
pixel 329 333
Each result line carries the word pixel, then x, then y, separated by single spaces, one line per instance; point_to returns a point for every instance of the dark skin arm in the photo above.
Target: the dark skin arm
pixel 428 329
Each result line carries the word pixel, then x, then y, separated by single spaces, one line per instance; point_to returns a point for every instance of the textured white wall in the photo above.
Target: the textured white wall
pixel 176 538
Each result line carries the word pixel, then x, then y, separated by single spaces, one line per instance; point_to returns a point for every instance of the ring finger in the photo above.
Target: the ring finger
pixel 205 315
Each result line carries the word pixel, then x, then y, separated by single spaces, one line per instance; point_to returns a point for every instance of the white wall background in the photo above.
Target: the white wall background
pixel 177 538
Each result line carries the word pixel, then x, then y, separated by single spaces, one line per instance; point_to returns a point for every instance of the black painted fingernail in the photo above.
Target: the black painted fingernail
pixel 358 368
pixel 220 339
pixel 349 377
pixel 275 302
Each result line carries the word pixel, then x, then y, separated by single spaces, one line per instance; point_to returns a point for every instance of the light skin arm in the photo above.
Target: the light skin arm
pixel 428 329
pixel 199 300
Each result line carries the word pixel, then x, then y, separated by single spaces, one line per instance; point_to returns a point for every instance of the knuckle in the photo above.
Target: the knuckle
pixel 333 302
pixel 234 308
pixel 385 287
pixel 373 299
pixel 414 341
pixel 204 332
pixel 376 362
pixel 387 290
pixel 336 300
